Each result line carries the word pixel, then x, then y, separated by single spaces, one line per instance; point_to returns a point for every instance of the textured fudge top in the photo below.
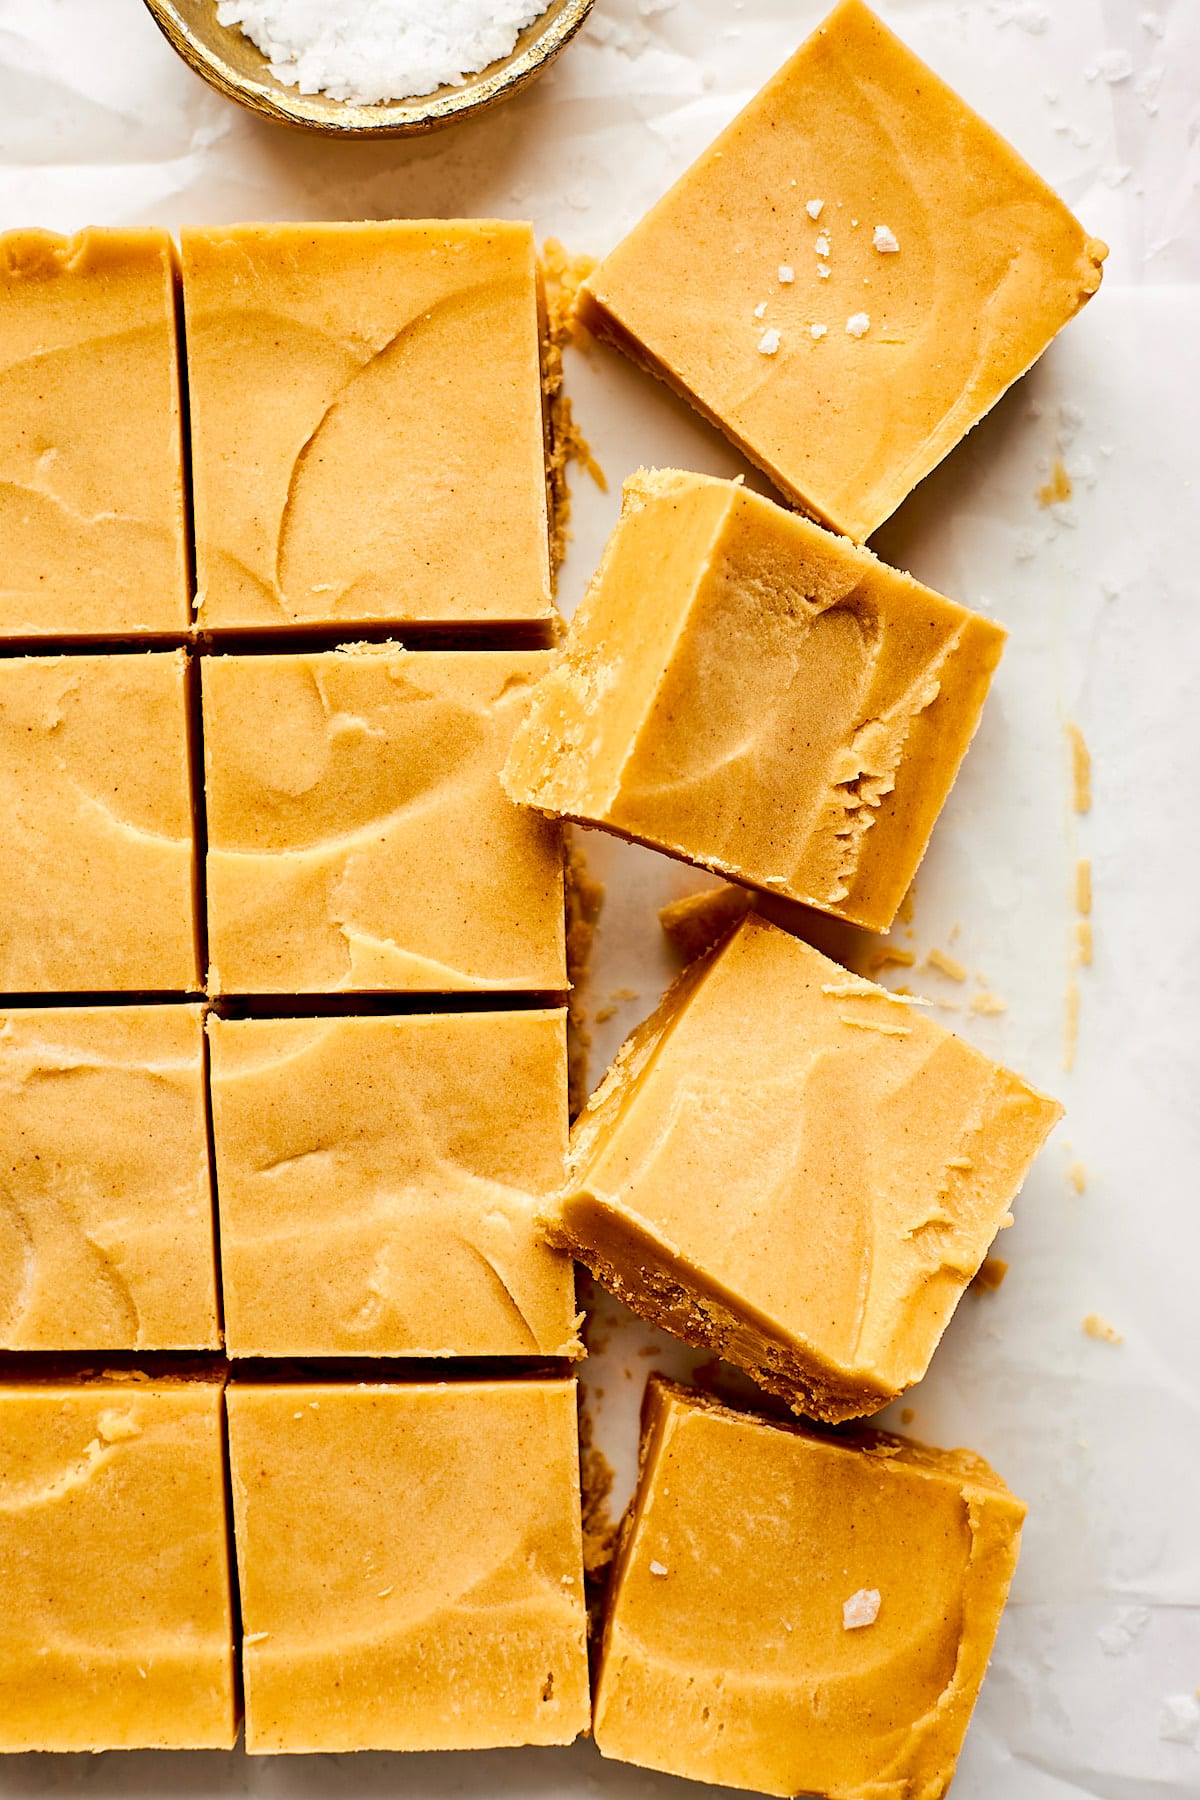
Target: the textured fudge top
pixel 850 276
pixel 367 436
pixel 378 1180
pixel 106 1236
pixel 91 485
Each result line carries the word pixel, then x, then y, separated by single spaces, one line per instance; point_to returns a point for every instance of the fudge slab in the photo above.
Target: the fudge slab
pixel 358 835
pixel 96 820
pixel 379 1179
pixel 849 278
pixel 411 1565
pixel 91 460
pixel 367 432
pixel 106 1225
pixel 800 1614
pixel 747 691
pixel 797 1169
pixel 116 1626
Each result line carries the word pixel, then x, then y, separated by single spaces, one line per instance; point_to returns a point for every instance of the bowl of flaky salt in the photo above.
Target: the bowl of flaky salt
pixel 368 68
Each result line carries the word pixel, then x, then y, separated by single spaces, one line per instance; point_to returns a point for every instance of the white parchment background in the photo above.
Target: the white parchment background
pixel 100 123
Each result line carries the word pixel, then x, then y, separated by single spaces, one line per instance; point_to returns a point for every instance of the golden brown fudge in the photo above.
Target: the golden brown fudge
pixel 836 1648
pixel 411 1566
pixel 747 691
pixel 95 816
pixel 358 835
pixel 91 475
pixel 378 1181
pixel 115 1618
pixel 795 1168
pixel 106 1230
pixel 849 278
pixel 367 435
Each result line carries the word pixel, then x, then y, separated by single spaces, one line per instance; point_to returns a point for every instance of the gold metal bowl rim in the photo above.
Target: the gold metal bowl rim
pixel 272 99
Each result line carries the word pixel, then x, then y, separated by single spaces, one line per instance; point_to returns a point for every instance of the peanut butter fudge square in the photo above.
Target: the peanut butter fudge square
pixel 358 835
pixel 91 459
pixel 96 820
pixel 116 1628
pixel 849 278
pixel 744 690
pixel 797 1613
pixel 367 431
pixel 797 1169
pixel 411 1564
pixel 106 1227
pixel 379 1179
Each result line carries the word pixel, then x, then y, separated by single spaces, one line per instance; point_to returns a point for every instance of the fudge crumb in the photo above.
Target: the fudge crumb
pixel 1097 1326
pixel 1083 887
pixel 861 1609
pixel 907 1415
pixel 945 964
pixel 989 1004
pixel 990 1275
pixel 768 343
pixel 698 921
pixel 657 1568
pixel 822 245
pixel 813 208
pixel 885 241
pixel 760 309
pixel 599 1527
pixel 1071 1025
pixel 1057 490
pixel 858 324
pixel 882 959
pixel 786 273
pixel 818 331
pixel 1084 942
pixel 617 998
pixel 1077 1176
pixel 255 1637
pixel 562 277
pixel 1081 769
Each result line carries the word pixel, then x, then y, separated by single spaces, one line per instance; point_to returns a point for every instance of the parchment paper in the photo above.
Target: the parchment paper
pixel 1099 1653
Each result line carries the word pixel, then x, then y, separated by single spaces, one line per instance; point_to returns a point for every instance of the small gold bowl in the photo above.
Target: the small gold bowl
pixel 233 65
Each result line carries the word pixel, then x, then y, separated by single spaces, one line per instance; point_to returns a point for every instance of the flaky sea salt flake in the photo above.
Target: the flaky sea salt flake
pixel 858 324
pixel 885 241
pixel 861 1609
pixel 818 331
pixel 768 343
pixel 822 245
pixel 786 273
pixel 813 208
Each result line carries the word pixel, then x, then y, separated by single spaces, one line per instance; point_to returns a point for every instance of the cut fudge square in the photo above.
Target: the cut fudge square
pixel 849 278
pixel 797 1169
pixel 358 835
pixel 367 430
pixel 91 460
pixel 106 1229
pixel 116 1626
pixel 96 820
pixel 379 1179
pixel 411 1565
pixel 797 1613
pixel 745 690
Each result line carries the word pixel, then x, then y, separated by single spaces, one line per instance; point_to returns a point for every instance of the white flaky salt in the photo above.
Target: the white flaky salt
pixel 818 331
pixel 813 208
pixel 822 245
pixel 858 324
pixel 760 311
pixel 861 1609
pixel 367 51
pixel 768 343
pixel 657 1568
pixel 786 273
pixel 886 241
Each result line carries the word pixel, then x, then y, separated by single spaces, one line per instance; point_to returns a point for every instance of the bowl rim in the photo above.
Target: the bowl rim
pixel 390 118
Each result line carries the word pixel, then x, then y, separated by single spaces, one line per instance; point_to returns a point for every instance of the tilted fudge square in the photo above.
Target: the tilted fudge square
pixel 96 819
pixel 358 835
pixel 367 429
pixel 91 458
pixel 849 278
pixel 379 1178
pixel 797 1613
pixel 411 1564
pixel 743 689
pixel 116 1628
pixel 797 1169
pixel 106 1226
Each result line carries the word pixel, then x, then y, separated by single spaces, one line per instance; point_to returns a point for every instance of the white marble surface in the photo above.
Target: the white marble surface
pixel 99 123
